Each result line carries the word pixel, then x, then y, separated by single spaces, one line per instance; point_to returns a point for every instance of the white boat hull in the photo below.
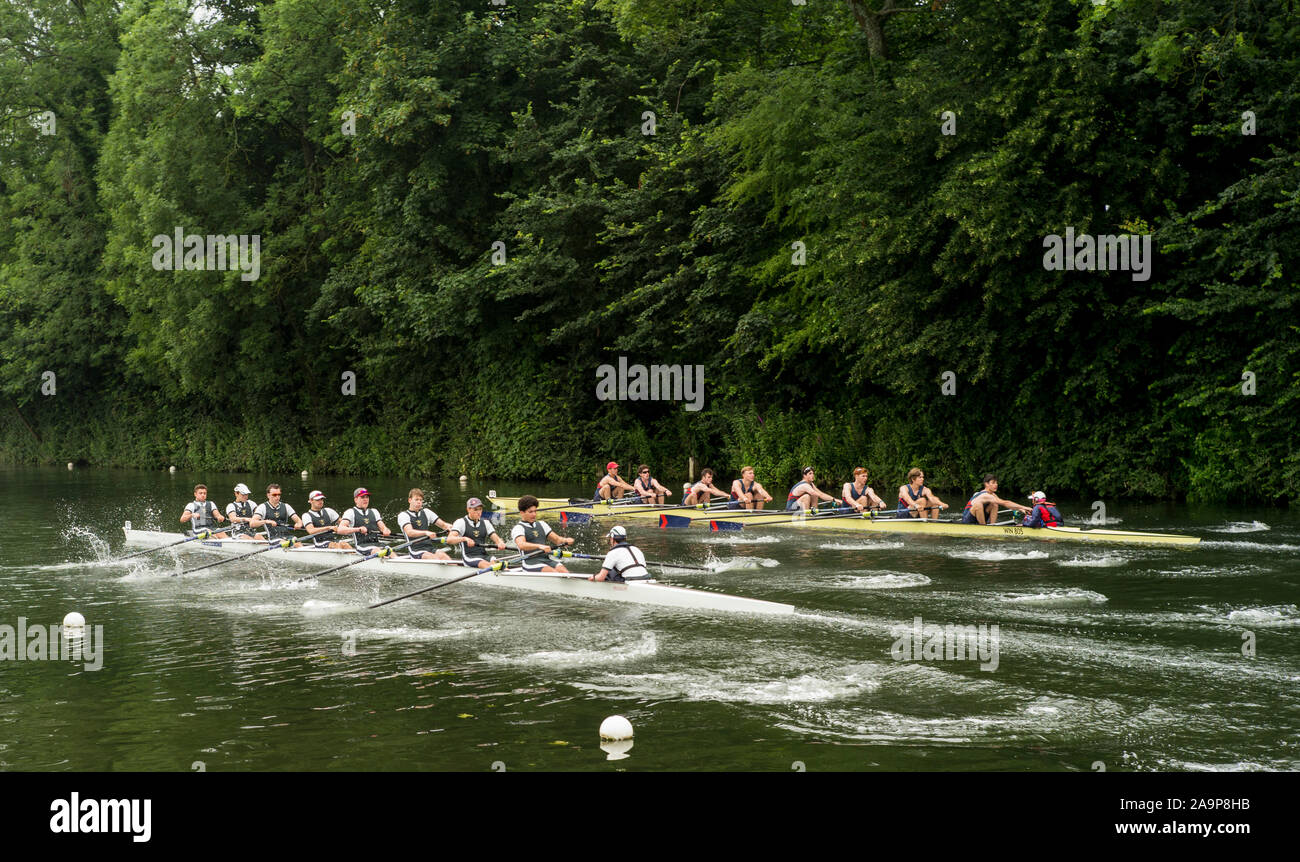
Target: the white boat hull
pixel 634 592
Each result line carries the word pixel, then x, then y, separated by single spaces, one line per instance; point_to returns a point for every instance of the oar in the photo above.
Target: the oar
pixel 202 534
pixel 281 543
pixel 497 566
pixel 386 551
pixel 732 526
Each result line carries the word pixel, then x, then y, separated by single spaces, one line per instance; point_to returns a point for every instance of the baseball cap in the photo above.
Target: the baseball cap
pixel 612 465
pixel 473 503
pixel 617 533
pixel 806 471
pixel 1037 495
pixel 241 488
pixel 360 492
pixel 315 495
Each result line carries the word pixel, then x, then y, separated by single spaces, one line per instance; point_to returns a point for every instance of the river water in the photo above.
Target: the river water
pixel 1125 658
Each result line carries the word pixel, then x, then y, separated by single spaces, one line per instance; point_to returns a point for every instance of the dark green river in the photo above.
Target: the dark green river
pixel 1122 658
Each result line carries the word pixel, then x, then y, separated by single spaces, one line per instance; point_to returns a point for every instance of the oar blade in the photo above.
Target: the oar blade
pixel 675 522
pixel 726 526
pixel 576 518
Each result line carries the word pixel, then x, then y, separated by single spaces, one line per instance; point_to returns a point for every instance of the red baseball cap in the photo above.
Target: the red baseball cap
pixel 612 465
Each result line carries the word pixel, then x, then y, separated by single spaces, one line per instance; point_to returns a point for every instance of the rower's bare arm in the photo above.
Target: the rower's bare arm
pixel 383 528
pixel 767 498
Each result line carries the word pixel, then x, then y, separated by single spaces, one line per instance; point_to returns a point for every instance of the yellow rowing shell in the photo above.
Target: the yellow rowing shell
pixel 779 518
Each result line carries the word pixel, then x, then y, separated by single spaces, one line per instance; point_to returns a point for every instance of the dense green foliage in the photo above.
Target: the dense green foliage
pixel 379 148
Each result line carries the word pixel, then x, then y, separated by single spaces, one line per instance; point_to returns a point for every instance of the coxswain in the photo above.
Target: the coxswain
pixel 202 514
pixel 418 522
pixel 240 513
pixel 534 539
pixel 1043 513
pixel 917 501
pixel 747 493
pixel 278 517
pixel 319 520
pixel 648 487
pixel 982 507
pixel 473 533
pixel 623 562
pixel 364 524
pixel 858 495
pixel 804 492
pixel 703 492
pixel 611 486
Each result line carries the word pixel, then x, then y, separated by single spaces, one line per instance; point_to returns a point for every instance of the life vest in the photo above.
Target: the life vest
pixel 279 514
pixel 1044 514
pixel 321 519
pixel 368 518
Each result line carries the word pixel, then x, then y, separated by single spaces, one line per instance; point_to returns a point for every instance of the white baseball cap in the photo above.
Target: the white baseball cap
pixel 1037 495
pixel 315 495
pixel 617 533
pixel 241 488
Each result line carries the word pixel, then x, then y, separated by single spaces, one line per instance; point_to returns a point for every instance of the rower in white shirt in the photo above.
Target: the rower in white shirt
pixel 473 533
pixel 202 515
pixel 364 524
pixel 418 522
pixel 623 562
pixel 318 520
pixel 240 513
pixel 277 516
pixel 534 539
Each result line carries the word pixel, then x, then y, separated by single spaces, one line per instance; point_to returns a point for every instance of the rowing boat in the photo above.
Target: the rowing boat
pixel 850 523
pixel 649 592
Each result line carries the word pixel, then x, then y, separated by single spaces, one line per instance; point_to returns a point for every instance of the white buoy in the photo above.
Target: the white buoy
pixel 616 727
pixel 171 469
pixel 304 474
pixel 74 620
pixel 69 465
pixel 464 479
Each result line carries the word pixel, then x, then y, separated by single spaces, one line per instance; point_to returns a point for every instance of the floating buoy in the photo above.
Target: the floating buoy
pixel 464 479
pixel 171 469
pixel 69 465
pixel 304 474
pixel 74 620
pixel 616 727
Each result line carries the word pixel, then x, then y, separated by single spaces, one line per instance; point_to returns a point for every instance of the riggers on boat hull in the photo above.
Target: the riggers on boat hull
pixel 914 526
pixel 635 592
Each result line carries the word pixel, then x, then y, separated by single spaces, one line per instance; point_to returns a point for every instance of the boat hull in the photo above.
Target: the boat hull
pixel 903 526
pixel 634 592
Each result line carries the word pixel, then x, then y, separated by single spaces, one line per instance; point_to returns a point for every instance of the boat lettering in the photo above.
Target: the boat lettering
pixel 1013 531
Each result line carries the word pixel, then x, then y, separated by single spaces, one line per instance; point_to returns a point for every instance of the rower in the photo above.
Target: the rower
pixel 804 492
pixel 240 513
pixel 202 514
pixel 610 486
pixel 472 533
pixel 1043 514
pixel 854 492
pixel 917 501
pixel 648 487
pixel 363 523
pixel 703 492
pixel 982 507
pixel 415 523
pixel 319 519
pixel 534 539
pixel 746 493
pixel 279 517
pixel 623 559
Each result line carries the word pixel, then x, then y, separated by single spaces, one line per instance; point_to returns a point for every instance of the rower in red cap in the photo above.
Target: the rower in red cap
pixel 363 523
pixel 610 486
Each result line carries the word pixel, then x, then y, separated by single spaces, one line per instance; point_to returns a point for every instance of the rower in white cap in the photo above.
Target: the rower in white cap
pixel 240 512
pixel 318 521
pixel 623 562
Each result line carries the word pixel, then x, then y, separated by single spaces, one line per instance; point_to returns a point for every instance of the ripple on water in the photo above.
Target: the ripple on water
pixel 997 555
pixel 874 580
pixel 1272 615
pixel 1241 527
pixel 741 540
pixel 727 687
pixel 736 563
pixel 646 647
pixel 861 546
pixel 1062 598
pixel 1104 561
